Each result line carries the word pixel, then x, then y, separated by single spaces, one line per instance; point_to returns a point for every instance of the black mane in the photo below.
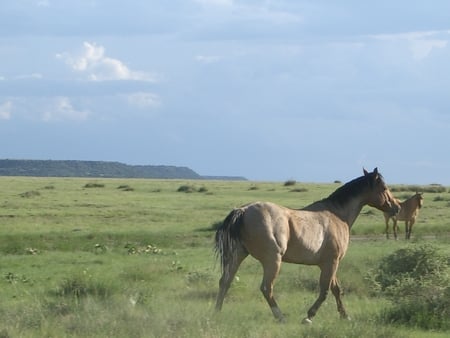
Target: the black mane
pixel 352 188
pixel 344 193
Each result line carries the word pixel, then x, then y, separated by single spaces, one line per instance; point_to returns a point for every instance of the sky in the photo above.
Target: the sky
pixel 270 90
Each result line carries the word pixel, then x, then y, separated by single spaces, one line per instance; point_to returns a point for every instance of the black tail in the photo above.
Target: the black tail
pixel 228 238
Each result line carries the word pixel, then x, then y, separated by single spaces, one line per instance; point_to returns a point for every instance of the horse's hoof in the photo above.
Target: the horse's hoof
pixel 307 321
pixel 281 320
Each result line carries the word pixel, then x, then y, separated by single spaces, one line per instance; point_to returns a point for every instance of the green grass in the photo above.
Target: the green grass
pixel 134 258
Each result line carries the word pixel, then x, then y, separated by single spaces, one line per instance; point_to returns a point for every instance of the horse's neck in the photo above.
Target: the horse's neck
pixel 408 204
pixel 349 211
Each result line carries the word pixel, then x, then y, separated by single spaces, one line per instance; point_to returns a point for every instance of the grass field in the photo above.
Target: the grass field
pixel 134 258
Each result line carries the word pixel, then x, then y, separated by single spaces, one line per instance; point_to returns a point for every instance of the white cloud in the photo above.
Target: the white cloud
pixel 144 100
pixel 94 63
pixel 421 43
pixel 252 12
pixel 215 2
pixel 29 76
pixel 43 3
pixel 422 48
pixel 62 109
pixel 5 110
pixel 207 58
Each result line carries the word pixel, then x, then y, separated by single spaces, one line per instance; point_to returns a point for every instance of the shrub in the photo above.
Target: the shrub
pixel 299 190
pixel 439 199
pixel 125 187
pixel 416 280
pixel 289 183
pixel 94 185
pixel 429 309
pixel 29 194
pixel 412 262
pixel 186 189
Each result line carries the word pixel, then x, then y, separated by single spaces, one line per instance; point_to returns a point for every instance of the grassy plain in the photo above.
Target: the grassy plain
pixel 134 258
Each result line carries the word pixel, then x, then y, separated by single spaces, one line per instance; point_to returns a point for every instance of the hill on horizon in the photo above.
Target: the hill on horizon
pixel 75 168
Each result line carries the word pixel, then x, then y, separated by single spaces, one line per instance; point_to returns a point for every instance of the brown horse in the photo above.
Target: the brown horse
pixel 315 235
pixel 408 213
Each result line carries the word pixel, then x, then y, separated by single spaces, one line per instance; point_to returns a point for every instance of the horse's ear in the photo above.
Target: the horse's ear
pixel 365 172
pixel 375 171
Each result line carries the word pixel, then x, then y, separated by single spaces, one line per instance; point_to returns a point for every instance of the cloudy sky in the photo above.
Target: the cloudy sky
pixel 270 90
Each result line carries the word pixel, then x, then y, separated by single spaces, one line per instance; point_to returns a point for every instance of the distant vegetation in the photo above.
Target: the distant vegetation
pixel 433 188
pixel 94 185
pixel 190 188
pixel 289 183
pixel 50 168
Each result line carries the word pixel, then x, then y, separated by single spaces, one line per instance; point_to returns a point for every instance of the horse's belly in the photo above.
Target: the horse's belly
pixel 305 258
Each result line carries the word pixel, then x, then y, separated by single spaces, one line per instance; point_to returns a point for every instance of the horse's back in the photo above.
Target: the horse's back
pixel 298 236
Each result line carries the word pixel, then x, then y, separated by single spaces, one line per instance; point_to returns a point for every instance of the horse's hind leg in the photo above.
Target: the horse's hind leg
pixel 387 230
pixel 229 271
pixel 327 273
pixel 395 228
pixel 411 223
pixel 271 270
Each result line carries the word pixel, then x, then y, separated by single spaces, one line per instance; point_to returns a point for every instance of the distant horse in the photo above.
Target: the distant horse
pixel 408 213
pixel 315 235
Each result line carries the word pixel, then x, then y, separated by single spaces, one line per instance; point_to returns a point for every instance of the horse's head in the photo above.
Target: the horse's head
pixel 419 199
pixel 380 196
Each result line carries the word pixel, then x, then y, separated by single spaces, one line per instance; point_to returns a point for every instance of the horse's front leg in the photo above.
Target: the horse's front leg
pixel 407 230
pixel 410 225
pixel 395 228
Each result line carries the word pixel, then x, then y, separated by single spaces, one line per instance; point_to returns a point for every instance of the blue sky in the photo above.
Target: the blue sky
pixel 269 90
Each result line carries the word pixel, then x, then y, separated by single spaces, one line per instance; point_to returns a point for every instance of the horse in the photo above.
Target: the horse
pixel 408 213
pixel 315 235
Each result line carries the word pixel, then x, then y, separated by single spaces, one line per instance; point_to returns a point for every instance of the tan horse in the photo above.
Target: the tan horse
pixel 315 235
pixel 408 213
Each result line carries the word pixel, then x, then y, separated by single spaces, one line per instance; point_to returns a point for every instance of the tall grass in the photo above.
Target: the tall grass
pixel 119 262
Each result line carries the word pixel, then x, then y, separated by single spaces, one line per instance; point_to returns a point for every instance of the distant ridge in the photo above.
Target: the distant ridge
pixel 74 168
